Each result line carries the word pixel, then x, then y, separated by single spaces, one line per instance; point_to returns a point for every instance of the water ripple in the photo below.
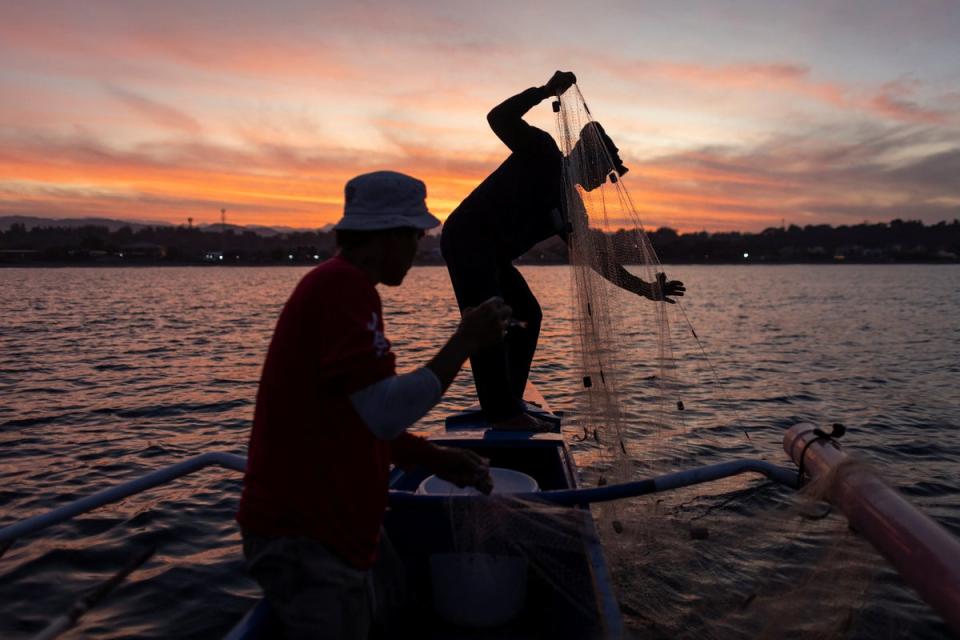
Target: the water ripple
pixel 110 382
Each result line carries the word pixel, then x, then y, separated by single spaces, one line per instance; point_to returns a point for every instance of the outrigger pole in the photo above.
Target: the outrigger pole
pixel 667 482
pixel 8 535
pixel 923 552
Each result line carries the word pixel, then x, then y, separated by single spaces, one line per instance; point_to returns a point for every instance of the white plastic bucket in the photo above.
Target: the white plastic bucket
pixel 478 590
pixel 504 481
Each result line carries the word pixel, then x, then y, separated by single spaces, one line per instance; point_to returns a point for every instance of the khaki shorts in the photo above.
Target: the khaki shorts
pixel 316 594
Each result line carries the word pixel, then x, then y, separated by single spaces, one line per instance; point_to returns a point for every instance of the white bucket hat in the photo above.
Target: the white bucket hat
pixel 385 200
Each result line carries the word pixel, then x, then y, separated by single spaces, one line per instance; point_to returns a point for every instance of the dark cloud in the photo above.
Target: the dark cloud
pixel 872 173
pixel 937 174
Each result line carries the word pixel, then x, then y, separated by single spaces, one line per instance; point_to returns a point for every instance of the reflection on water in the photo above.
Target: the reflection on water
pixel 108 373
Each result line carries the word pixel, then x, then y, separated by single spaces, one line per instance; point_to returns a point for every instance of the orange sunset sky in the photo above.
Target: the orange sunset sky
pixel 731 115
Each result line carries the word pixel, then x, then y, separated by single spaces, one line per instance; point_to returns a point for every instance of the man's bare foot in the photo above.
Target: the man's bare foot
pixel 523 422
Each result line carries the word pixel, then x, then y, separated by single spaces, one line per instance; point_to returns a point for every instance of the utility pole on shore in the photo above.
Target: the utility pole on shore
pixel 223 234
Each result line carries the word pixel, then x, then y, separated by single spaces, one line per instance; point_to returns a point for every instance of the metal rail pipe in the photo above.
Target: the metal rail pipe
pixel 119 492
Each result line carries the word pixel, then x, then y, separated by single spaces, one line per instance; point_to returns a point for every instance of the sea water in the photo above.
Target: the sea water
pixel 107 373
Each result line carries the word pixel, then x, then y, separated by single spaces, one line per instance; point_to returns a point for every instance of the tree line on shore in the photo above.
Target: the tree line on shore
pixel 896 241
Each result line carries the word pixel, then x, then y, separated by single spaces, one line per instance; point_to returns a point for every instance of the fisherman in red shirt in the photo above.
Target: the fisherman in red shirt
pixel 332 413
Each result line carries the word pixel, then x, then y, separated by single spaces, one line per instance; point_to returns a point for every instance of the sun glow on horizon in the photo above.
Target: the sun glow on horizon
pixel 126 114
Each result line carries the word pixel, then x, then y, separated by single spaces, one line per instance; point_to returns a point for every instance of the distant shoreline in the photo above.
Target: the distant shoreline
pixel 899 242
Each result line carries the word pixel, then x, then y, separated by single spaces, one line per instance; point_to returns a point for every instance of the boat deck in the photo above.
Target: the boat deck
pixel 568 591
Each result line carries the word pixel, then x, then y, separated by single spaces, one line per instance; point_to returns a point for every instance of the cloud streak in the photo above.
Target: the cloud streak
pixel 891 100
pixel 156 112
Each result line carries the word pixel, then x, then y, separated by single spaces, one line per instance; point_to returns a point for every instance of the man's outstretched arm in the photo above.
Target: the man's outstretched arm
pixel 601 261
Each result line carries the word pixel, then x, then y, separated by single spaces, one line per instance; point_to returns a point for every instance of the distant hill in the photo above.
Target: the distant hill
pixel 262 230
pixel 31 222
pixel 71 223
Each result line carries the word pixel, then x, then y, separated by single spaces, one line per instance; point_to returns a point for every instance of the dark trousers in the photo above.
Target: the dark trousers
pixel 499 372
pixel 315 593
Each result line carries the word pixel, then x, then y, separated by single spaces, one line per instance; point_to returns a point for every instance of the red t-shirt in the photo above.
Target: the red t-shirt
pixel 313 467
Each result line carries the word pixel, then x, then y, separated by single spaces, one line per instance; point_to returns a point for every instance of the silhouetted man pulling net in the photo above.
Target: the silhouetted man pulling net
pixel 517 206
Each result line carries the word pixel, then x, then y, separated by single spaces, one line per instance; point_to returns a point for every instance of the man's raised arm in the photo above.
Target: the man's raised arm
pixel 506 119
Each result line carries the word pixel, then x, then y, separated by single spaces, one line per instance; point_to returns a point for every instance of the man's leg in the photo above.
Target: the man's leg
pixel 313 592
pixel 521 341
pixel 473 283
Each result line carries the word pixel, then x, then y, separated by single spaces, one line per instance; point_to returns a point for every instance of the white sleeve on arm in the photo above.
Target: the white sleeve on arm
pixel 391 405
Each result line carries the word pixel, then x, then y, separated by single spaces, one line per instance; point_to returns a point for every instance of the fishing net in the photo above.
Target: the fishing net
pixel 739 557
